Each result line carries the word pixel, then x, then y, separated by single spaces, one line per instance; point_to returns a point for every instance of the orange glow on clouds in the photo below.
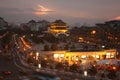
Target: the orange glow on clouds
pixel 117 18
pixel 41 10
pixel 40 13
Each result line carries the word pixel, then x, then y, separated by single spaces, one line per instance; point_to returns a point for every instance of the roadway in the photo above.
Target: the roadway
pixel 13 63
pixel 16 65
pixel 8 65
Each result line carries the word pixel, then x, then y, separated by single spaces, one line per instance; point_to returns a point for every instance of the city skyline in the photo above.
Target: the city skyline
pixel 71 11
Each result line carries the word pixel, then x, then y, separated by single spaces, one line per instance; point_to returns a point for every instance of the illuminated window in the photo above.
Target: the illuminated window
pixel 53 27
pixel 62 55
pixel 77 58
pixel 97 56
pixel 112 56
pixel 93 55
pixel 108 55
pixel 72 57
pixel 56 55
pixel 83 56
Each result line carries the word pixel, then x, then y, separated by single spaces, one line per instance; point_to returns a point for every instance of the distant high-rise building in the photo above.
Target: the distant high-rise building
pixel 32 25
pixel 3 23
pixel 43 25
pixel 36 26
pixel 110 32
pixel 113 23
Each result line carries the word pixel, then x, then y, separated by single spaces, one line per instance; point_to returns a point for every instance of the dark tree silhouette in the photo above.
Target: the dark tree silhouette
pixel 46 48
pixel 92 70
pixel 59 66
pixel 111 75
pixel 74 68
pixel 44 63
pixel 54 47
pixel 66 47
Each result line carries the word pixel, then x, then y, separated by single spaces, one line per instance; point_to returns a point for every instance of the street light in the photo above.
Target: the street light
pixel 23 36
pixel 103 46
pixel 38 69
pixel 37 55
pixel 39 66
pixel 93 32
pixel 85 74
pixel 37 58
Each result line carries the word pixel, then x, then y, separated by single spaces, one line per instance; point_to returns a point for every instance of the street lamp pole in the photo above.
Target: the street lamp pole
pixel 37 58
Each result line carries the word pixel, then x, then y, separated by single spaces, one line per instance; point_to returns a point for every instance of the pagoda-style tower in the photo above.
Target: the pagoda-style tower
pixel 58 27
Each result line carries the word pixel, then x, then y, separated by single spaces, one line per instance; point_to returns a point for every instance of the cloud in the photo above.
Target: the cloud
pixel 16 11
pixel 41 10
pixel 9 10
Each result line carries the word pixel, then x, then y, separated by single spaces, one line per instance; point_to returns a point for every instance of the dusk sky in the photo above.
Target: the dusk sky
pixel 70 11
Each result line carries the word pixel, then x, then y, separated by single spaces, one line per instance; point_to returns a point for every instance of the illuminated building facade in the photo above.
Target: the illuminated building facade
pixel 78 57
pixel 89 56
pixel 58 27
